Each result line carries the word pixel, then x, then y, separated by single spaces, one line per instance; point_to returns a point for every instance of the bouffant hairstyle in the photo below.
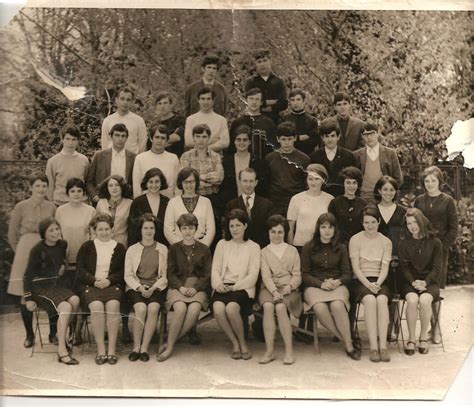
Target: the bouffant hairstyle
pixel 75 182
pixel 371 210
pixel 241 216
pixel 276 220
pixel 352 173
pixel 101 217
pixel 433 170
pixel 153 172
pixel 104 186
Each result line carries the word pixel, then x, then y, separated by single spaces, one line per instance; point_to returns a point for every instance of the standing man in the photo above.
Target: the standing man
pixel 272 87
pixel 116 160
pixel 258 208
pixel 262 129
pixel 156 157
pixel 333 158
pixel 137 135
pixel 306 125
pixel 209 66
pixel 375 160
pixel 286 169
pixel 350 127
pixel 68 163
pixel 206 115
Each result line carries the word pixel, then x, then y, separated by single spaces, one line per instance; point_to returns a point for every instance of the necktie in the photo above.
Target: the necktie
pixel 247 205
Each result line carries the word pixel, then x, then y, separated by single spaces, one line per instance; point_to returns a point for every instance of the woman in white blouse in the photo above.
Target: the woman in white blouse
pixel 100 268
pixel 281 277
pixel 234 274
pixel 112 192
pixel 189 202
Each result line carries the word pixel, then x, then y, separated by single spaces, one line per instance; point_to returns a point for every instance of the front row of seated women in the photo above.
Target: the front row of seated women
pixel 182 279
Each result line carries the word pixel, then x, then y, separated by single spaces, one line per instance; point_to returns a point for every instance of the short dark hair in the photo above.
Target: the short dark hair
pixel 75 182
pixel 369 126
pixel 187 219
pixel 153 172
pixel 146 217
pixel 241 216
pixel 210 59
pixel 118 127
pixel 45 224
pixel 101 217
pixel 249 170
pixel 253 92
pixel 296 92
pixel 371 210
pixel 201 128
pixel 204 91
pixel 163 95
pixel 341 96
pixel 262 53
pixel 38 176
pixel 352 172
pixel 104 190
pixel 184 173
pixel 328 128
pixel 286 129
pixel 125 89
pixel 384 179
pixel 276 220
pixel 161 128
pixel 71 130
pixel 426 228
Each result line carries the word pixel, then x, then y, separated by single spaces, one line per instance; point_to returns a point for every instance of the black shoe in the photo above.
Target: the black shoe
pixel 53 339
pixel 134 356
pixel 354 354
pixel 67 360
pixel 193 337
pixel 357 344
pixel 144 357
pixel 29 341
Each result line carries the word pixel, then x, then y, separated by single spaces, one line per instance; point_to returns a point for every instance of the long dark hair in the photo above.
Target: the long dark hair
pixel 316 243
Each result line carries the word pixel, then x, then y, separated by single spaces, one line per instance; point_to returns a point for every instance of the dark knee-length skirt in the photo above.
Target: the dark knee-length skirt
pixel 135 297
pixel 49 298
pixel 112 292
pixel 432 289
pixel 241 297
pixel 359 291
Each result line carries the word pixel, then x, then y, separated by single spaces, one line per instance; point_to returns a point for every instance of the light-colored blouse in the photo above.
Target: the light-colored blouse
pixel 104 256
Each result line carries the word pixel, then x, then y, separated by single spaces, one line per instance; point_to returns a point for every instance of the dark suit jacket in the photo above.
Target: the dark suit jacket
pixel 100 170
pixel 389 163
pixel 352 140
pixel 343 158
pixel 261 210
pixel 139 207
pixel 228 187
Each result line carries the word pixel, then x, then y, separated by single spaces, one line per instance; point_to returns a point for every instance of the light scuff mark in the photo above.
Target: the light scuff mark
pixel 461 141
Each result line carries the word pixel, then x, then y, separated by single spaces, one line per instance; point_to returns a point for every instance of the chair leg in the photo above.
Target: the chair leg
pixel 163 317
pixel 400 328
pixel 315 334
pixel 37 333
pixel 437 312
pixel 356 325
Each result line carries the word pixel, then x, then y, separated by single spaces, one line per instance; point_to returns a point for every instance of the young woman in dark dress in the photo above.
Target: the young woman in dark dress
pixel 45 283
pixel 100 265
pixel 421 257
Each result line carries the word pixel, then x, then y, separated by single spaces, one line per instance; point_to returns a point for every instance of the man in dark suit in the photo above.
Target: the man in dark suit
pixel 350 127
pixel 257 207
pixel 333 158
pixel 375 160
pixel 116 160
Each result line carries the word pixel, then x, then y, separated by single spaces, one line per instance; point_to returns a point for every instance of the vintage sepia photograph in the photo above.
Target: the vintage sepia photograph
pixel 236 201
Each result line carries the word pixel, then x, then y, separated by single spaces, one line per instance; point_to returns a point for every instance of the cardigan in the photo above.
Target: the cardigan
pixel 43 265
pixel 421 259
pixel 441 212
pixel 87 261
pixel 206 229
pixel 250 255
pixel 325 263
pixel 141 206
pixel 280 272
pixel 133 258
pixel 180 268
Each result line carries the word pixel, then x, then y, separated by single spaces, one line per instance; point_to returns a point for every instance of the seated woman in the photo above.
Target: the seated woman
pixel 234 274
pixel 370 254
pixel 145 276
pixel 189 271
pixel 152 201
pixel 281 277
pixel 421 259
pixel 100 269
pixel 326 272
pixel 113 191
pixel 46 286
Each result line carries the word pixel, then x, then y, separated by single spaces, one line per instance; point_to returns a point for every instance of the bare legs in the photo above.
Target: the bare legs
pixel 102 316
pixel 144 325
pixel 65 310
pixel 229 319
pixel 184 318
pixel 425 301
pixel 376 319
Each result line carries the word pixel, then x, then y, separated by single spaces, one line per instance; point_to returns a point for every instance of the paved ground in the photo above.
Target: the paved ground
pixel 207 370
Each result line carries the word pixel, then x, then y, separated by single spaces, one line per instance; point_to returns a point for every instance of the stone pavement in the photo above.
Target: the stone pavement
pixel 207 370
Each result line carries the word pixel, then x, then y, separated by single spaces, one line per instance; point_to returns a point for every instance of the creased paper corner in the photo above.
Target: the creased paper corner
pixel 461 141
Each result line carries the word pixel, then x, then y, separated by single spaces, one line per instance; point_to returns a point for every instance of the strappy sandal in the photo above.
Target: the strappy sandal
pixel 423 349
pixel 100 359
pixel 410 352
pixel 67 359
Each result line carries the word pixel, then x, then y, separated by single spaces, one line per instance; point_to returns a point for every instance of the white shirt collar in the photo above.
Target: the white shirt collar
pixel 374 150
pixel 120 154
